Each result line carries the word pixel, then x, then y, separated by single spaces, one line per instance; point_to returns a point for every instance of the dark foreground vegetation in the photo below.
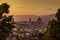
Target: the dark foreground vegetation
pixel 53 28
pixel 6 22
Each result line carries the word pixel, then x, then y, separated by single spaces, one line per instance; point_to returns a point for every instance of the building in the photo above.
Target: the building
pixel 30 24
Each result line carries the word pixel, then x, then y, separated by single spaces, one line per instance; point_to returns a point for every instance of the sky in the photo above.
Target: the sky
pixel 32 7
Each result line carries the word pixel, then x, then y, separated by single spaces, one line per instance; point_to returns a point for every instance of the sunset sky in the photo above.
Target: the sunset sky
pixel 32 7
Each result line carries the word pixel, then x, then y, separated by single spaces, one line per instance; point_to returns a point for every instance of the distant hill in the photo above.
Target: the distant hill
pixel 47 18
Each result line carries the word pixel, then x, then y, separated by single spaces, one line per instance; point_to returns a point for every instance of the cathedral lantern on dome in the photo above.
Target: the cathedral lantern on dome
pixel 39 20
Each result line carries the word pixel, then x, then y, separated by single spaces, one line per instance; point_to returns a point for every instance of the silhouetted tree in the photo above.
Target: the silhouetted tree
pixel 6 23
pixel 53 30
pixel 4 8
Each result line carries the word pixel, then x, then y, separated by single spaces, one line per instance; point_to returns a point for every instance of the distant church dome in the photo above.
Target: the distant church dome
pixel 39 19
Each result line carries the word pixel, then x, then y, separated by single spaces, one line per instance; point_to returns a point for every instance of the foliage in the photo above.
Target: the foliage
pixel 53 30
pixel 6 22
